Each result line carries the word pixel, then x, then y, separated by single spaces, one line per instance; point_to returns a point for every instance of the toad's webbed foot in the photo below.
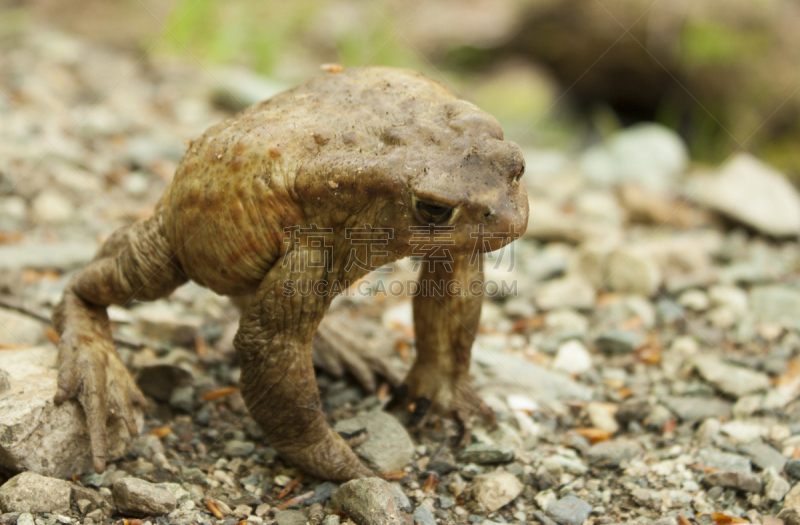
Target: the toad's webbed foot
pixel 339 350
pixel 426 393
pixel 445 324
pixel 134 263
pixel 91 372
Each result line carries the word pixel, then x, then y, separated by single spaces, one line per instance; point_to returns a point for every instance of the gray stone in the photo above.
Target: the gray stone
pixel 601 415
pixel 542 518
pixel 567 292
pixel 18 329
pixel 42 437
pixel 238 88
pixel 613 453
pixel 748 191
pixel 485 454
pixel 569 510
pixel 388 447
pixel 161 323
pixel 736 480
pixel 734 380
pixel 724 461
pixel 617 342
pixel 510 374
pixel 30 492
pixel 792 467
pixel 13 208
pixel 331 519
pixel 322 493
pixel 26 518
pixel 708 431
pixel 137 497
pixel 519 308
pixel 446 502
pixel 46 256
pixel 764 456
pixel 792 498
pixel 632 409
pixel 182 398
pixel 144 150
pixel 776 303
pixel 51 207
pixel 744 430
pixel 731 297
pixel 158 379
pixel 147 446
pixel 776 488
pixel 291 517
pixel 236 448
pixel 496 489
pixel 372 501
pixel 790 515
pixel 5 383
pixel 633 271
pixel 572 358
pixel 548 222
pixel 696 300
pixel 648 154
pixel 669 311
pixel 181 494
pixel 697 408
pixel 424 516
pixel 658 417
pixel 87 499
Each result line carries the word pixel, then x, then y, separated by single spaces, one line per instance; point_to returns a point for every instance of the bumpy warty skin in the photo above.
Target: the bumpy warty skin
pixel 340 150
pixel 368 147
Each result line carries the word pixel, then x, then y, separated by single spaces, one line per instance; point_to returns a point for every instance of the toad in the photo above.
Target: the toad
pixel 282 207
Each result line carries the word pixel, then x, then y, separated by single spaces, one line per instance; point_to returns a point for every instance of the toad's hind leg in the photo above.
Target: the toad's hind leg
pixel 134 263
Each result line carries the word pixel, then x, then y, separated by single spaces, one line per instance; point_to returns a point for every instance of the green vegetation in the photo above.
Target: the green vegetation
pixel 708 43
pixel 288 38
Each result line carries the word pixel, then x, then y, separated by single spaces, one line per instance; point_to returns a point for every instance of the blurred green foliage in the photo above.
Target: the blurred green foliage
pixel 709 43
pixel 13 21
pixel 283 38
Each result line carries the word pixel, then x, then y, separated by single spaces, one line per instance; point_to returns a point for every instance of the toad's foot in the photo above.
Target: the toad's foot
pixel 339 350
pixel 427 392
pixel 91 372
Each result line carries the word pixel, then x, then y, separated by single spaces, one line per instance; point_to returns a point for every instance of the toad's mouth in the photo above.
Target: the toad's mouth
pixel 430 212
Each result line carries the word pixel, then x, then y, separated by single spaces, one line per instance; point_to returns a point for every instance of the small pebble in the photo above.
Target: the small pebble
pixel 569 510
pixel 486 454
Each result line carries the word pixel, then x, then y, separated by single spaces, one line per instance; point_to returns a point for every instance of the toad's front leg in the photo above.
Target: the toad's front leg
pixel 274 344
pixel 446 316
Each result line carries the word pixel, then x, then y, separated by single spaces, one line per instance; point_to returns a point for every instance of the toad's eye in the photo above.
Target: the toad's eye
pixel 520 174
pixel 429 213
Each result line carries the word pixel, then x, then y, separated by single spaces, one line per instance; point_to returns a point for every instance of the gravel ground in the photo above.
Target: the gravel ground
pixel 643 362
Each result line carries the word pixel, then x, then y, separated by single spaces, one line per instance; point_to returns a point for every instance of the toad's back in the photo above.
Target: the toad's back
pixel 233 196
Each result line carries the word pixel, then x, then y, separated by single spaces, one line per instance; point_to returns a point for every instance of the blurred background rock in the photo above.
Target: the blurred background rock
pixel 555 72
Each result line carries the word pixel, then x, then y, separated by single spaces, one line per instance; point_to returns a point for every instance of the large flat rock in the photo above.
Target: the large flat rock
pixel 752 193
pixel 44 256
pixel 35 434
pixel 505 374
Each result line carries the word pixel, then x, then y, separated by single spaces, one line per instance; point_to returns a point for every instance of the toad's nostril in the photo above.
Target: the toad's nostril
pixel 519 174
pixel 487 213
